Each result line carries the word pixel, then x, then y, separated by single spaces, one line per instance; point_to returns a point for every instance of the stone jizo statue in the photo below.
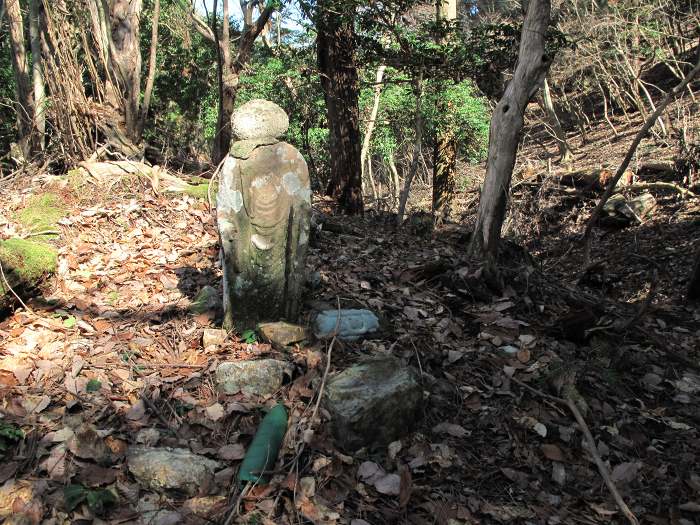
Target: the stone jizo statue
pixel 263 215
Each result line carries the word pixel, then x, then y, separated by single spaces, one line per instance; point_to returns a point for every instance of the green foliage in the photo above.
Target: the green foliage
pixel 8 434
pixel 468 116
pixel 97 500
pixel 7 92
pixel 93 385
pixel 249 336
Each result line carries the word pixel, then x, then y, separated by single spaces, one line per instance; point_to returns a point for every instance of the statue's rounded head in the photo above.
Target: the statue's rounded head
pixel 257 119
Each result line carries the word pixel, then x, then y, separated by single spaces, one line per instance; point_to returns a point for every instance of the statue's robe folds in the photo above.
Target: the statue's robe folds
pixel 263 215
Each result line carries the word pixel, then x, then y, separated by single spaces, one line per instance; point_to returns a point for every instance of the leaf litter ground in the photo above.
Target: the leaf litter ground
pixel 111 358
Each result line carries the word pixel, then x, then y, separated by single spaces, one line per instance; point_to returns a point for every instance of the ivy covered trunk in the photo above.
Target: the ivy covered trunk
pixel 336 62
pixel 444 174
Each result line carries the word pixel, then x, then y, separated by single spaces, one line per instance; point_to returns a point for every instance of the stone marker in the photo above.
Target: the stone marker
pixel 263 215
pixel 373 403
pixel 281 334
pixel 258 378
pixel 164 468
pixel 353 324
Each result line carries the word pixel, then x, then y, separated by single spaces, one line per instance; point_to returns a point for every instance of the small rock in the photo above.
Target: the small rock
pixel 213 336
pixel 353 324
pixel 282 334
pixel 207 507
pixel 373 403
pixel 207 299
pixel 620 211
pixel 260 378
pixel 147 436
pixel 161 517
pixel 171 469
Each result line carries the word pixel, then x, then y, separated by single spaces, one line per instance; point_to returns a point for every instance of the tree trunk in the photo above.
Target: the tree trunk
pixel 553 122
pixel 35 12
pixel 126 57
pixel 417 148
pixel 444 172
pixel 336 60
pixel 24 101
pixel 367 140
pixel 150 78
pixel 694 284
pixel 445 152
pixel 506 126
pixel 231 67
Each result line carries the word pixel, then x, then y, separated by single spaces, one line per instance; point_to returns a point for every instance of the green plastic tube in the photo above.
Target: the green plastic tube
pixel 263 450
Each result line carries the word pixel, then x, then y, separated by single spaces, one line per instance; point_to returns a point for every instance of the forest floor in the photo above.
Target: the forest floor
pixel 111 351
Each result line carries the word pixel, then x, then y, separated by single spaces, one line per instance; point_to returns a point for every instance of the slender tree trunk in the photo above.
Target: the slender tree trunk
pixel 553 122
pixel 417 148
pixel 336 60
pixel 35 12
pixel 445 151
pixel 151 76
pixel 506 126
pixel 396 183
pixel 367 140
pixel 444 173
pixel 24 101
pixel 232 66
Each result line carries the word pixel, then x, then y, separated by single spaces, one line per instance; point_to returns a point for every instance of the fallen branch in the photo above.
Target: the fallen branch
pixel 590 442
pixel 660 186
pixel 670 97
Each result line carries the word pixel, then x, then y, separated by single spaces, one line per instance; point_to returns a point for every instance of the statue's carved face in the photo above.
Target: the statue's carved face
pixel 268 204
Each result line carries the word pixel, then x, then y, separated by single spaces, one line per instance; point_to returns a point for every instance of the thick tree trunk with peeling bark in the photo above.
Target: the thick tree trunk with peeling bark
pixel 506 127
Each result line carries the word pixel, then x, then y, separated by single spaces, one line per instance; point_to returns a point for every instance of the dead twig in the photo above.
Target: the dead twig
pixel 592 449
pixel 153 408
pixel 7 285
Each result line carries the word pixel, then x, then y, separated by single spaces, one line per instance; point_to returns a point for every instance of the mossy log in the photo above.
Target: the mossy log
pixel 24 265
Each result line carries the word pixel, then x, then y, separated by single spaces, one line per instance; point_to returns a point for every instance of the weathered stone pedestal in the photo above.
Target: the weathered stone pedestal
pixel 263 213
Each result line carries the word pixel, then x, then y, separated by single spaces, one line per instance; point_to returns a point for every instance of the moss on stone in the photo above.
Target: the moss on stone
pixel 42 212
pixel 26 261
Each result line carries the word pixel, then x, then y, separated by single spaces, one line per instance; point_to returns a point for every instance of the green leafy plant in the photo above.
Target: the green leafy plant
pixel 97 500
pixel 9 434
pixel 249 336
pixel 93 385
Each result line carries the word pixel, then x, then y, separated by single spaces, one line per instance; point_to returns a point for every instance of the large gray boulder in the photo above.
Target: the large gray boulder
pixel 178 469
pixel 373 403
pixel 259 378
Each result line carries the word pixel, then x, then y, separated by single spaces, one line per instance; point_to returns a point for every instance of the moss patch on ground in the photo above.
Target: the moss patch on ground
pixel 42 212
pixel 198 191
pixel 25 262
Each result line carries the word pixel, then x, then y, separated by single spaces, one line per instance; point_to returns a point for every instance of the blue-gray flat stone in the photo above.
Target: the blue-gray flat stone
pixel 353 324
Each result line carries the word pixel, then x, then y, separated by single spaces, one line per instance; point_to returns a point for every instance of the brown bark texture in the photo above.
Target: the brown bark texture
pixel 506 127
pixel 336 61
pixel 24 100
